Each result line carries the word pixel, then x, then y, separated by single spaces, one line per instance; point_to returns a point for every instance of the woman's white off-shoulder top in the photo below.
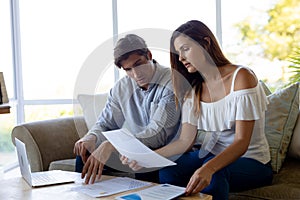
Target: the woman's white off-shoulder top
pixel 217 120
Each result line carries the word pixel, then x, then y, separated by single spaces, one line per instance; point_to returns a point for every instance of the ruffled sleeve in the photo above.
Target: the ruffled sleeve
pixel 248 104
pixel 188 114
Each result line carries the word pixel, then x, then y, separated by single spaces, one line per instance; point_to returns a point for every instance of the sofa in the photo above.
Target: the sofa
pixel 50 142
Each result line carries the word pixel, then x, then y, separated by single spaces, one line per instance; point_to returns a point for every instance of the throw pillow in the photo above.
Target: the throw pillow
pixel 92 105
pixel 294 149
pixel 281 117
pixel 265 87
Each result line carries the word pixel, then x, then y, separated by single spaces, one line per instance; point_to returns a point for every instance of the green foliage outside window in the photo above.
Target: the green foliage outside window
pixel 295 66
pixel 5 142
pixel 279 35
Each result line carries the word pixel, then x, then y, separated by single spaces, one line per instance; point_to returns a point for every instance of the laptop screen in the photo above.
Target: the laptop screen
pixel 23 161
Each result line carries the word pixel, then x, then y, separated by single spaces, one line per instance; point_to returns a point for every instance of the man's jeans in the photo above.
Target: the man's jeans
pixel 151 176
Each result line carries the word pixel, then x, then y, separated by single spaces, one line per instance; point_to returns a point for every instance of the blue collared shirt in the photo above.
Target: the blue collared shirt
pixel 150 115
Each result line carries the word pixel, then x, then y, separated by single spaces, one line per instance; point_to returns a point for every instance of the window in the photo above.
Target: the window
pixel 57 36
pixel 156 20
pixel 237 51
pixel 7 121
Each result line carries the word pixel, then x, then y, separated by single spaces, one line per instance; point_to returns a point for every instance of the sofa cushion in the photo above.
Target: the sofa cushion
pixel 286 185
pixel 92 105
pixel 65 165
pixel 281 117
pixel 294 149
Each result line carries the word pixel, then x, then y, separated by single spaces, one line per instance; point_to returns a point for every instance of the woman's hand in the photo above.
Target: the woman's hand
pixel 200 180
pixel 132 164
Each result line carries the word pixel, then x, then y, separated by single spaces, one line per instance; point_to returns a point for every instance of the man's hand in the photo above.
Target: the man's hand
pixel 132 164
pixel 87 143
pixel 93 167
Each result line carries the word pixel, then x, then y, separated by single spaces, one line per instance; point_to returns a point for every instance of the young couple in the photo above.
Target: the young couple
pixel 211 94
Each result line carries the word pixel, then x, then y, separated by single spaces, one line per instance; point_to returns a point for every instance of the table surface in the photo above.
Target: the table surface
pixel 17 188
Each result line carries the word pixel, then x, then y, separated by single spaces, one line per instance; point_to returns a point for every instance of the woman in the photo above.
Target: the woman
pixel 227 103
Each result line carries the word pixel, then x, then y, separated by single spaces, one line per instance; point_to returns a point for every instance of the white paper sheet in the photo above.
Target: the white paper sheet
pixel 132 148
pixel 110 187
pixel 158 192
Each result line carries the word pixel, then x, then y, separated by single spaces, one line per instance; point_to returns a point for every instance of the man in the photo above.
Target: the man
pixel 143 102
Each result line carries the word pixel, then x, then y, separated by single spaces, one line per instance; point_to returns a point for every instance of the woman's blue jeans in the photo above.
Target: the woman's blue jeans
pixel 243 174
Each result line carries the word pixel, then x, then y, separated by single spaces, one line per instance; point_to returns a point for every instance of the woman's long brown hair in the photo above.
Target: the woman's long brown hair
pixel 183 81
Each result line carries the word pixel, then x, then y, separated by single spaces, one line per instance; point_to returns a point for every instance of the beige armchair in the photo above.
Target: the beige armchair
pixel 50 143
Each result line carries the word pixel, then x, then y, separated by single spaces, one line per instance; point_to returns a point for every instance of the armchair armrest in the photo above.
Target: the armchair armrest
pixel 49 140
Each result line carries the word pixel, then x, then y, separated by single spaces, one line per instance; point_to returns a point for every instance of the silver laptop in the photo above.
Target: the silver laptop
pixel 38 179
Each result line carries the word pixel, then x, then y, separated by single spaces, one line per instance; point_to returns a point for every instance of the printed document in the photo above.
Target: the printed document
pixel 110 186
pixel 158 192
pixel 127 145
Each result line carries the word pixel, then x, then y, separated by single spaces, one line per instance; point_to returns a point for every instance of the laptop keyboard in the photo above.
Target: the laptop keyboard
pixel 51 177
pixel 43 178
